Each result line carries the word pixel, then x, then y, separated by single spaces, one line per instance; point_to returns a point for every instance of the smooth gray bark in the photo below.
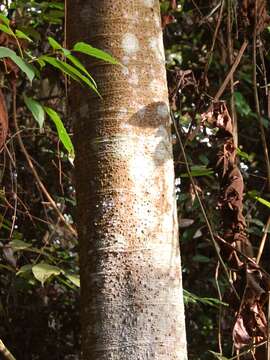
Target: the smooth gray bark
pixel 131 290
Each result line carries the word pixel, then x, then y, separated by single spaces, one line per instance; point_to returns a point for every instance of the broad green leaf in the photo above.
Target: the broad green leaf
pixel 56 5
pixel 54 14
pixel 18 245
pixel 62 133
pixel 26 68
pixel 92 51
pixel 75 279
pixel 80 66
pixel 36 109
pixel 21 35
pixel 241 104
pixel 43 271
pixel 54 44
pixel 4 19
pixel 24 269
pixel 69 70
pixel 6 29
pixel 244 155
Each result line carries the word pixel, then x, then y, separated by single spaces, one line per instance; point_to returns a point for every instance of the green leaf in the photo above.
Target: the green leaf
pixel 24 269
pixel 94 52
pixel 62 133
pixel 265 122
pixel 254 195
pixel 54 44
pixel 201 258
pixel 21 35
pixel 4 19
pixel 42 271
pixel 241 104
pixel 218 356
pixel 6 29
pixel 69 70
pixel 26 68
pixel 192 298
pixel 56 5
pixel 245 155
pixel 36 109
pixel 18 245
pixel 80 66
pixel 263 201
pixel 75 279
pixel 198 170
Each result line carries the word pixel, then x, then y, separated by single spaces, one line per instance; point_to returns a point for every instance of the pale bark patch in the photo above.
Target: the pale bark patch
pixel 133 79
pixel 125 71
pixel 125 60
pixel 156 45
pixel 148 3
pixel 162 110
pixel 156 86
pixel 130 44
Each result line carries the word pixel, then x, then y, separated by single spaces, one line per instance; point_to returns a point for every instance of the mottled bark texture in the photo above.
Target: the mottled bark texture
pixel 132 304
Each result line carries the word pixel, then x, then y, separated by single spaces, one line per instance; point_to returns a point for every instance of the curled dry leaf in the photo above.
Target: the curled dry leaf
pixel 240 335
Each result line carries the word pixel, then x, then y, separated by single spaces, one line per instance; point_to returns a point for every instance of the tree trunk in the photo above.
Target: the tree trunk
pixel 131 291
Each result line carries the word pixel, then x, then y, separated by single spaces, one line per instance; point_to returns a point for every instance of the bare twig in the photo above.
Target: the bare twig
pixel 232 70
pixel 220 309
pixel 262 244
pixel 230 56
pixel 210 54
pixel 5 352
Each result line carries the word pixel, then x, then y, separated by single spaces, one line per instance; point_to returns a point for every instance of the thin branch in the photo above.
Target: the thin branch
pixel 5 352
pixel 232 70
pixel 263 241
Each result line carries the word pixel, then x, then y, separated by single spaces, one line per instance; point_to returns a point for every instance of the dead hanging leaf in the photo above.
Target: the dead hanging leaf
pixel 241 337
pixel 3 120
pixel 166 20
pixel 250 326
